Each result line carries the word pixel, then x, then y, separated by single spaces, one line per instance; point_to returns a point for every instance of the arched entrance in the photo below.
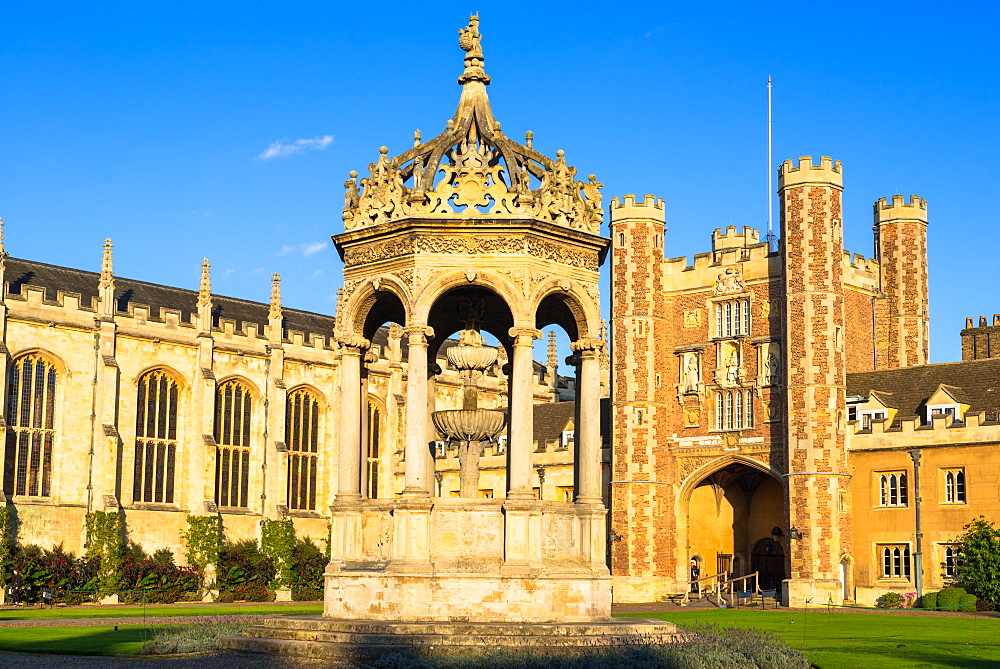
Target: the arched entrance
pixel 732 512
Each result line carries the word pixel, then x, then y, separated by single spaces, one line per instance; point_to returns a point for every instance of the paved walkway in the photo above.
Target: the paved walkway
pixel 206 661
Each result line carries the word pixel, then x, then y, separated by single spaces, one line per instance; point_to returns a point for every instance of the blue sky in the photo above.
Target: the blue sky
pixel 153 123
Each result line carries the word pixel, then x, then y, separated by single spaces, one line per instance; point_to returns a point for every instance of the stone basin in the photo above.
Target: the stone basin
pixel 466 356
pixel 469 424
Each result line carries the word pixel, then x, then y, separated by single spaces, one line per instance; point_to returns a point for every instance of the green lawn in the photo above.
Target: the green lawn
pixel 127 640
pixel 850 640
pixel 157 611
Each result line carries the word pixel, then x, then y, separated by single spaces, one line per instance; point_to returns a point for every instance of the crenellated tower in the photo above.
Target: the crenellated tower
pixel 642 553
pixel 815 375
pixel 900 229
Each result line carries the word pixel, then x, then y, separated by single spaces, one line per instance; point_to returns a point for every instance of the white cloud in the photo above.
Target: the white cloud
pixel 318 273
pixel 228 273
pixel 312 248
pixel 283 148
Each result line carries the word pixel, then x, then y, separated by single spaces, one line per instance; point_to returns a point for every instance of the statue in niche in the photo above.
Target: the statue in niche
pixel 733 368
pixel 729 282
pixel 690 382
pixel 772 368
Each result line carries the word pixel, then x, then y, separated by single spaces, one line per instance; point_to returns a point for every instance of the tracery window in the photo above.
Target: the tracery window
pixel 950 562
pixel 732 318
pixel 896 562
pixel 155 438
pixel 734 409
pixel 302 439
pixel 31 399
pixel 954 486
pixel 892 489
pixel 233 409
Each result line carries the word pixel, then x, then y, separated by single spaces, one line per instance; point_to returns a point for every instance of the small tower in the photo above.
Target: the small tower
pixel 205 298
pixel 813 339
pixel 552 366
pixel 902 317
pixel 274 314
pixel 106 285
pixel 637 229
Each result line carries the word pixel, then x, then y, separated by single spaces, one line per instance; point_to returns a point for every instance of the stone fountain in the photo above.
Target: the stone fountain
pixel 470 426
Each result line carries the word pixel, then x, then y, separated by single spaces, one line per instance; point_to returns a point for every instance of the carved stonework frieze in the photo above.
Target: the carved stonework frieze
pixel 689 465
pixel 692 318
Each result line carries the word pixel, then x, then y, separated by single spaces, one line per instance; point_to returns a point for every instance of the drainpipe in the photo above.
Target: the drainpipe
pixel 918 555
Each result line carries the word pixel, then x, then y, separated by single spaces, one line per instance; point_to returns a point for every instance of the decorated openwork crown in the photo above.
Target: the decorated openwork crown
pixel 472 170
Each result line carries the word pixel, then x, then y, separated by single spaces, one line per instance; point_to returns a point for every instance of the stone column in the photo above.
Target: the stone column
pixel 522 513
pixel 588 431
pixel 345 518
pixel 416 479
pixel 521 426
pixel 349 464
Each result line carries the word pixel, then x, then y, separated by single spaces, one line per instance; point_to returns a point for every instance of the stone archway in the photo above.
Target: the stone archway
pixel 731 512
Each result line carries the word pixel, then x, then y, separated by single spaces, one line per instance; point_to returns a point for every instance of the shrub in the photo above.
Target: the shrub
pixel 308 565
pixel 929 600
pixel 979 560
pixel 203 538
pixel 891 600
pixel 307 594
pixel 105 541
pixel 949 598
pixel 200 636
pixel 968 603
pixel 71 580
pixel 241 563
pixel 277 544
pixel 252 592
pixel 155 579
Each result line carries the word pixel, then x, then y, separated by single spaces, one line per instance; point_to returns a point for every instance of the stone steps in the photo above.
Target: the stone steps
pixel 315 636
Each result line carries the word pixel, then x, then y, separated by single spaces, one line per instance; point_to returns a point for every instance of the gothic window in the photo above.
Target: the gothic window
pixel 733 409
pixel 374 444
pixel 233 409
pixel 31 399
pixel 950 562
pixel 155 439
pixel 895 561
pixel 732 318
pixel 302 439
pixel 892 488
pixel 954 486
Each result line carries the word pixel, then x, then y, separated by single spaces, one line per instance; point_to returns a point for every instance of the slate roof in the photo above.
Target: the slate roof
pixel 972 382
pixel 53 278
pixel 551 419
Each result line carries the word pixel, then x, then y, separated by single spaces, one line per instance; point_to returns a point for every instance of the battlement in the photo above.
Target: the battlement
pixel 883 433
pixel 650 207
pixel 913 210
pixel 728 237
pixel 982 322
pixel 792 173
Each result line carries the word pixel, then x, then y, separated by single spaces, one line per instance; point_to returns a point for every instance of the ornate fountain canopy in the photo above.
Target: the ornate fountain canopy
pixel 472 170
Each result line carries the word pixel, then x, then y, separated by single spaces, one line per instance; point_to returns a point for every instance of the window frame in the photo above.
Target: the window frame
pixel 303 427
pixel 152 484
pixel 893 489
pixel 41 438
pixel 732 318
pixel 895 560
pixel 954 485
pixel 224 433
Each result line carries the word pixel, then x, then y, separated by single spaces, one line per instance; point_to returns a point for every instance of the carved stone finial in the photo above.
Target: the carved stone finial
pixel 470 40
pixel 275 311
pixel 553 357
pixel 529 138
pixel 205 285
pixel 416 137
pixel 107 265
pixel 3 250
